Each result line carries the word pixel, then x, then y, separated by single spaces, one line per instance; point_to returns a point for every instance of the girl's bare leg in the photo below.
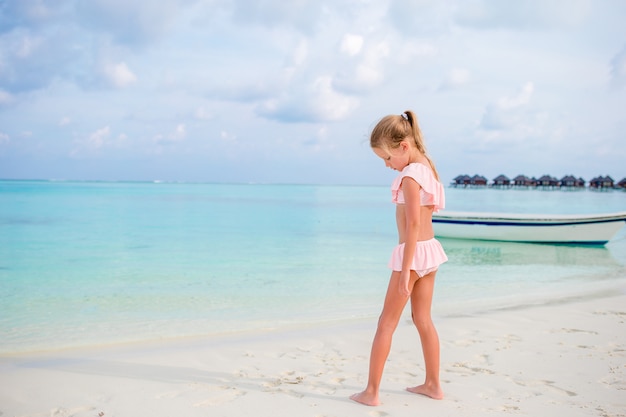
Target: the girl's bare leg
pixel 387 323
pixel 421 301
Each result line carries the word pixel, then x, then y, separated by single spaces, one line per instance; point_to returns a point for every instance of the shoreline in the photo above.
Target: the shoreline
pixel 443 309
pixel 540 360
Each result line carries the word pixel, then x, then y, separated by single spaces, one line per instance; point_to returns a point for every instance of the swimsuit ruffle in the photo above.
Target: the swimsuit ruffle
pixel 432 192
pixel 429 255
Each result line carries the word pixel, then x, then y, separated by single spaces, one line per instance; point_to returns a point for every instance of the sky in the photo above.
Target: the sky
pixel 273 91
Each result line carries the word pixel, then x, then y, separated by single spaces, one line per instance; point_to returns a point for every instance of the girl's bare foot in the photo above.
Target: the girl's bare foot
pixel 432 392
pixel 365 398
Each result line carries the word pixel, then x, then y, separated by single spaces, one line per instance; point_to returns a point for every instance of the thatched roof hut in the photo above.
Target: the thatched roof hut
pixel 570 181
pixel 479 181
pixel 501 181
pixel 547 181
pixel 461 181
pixel 523 181
pixel 602 182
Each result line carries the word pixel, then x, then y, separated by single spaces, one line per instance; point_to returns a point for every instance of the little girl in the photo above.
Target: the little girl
pixel 417 192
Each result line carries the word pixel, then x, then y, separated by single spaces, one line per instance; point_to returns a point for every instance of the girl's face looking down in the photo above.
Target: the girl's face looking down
pixel 396 159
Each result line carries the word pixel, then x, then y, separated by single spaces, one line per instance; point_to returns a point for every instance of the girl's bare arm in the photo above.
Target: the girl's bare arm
pixel 412 222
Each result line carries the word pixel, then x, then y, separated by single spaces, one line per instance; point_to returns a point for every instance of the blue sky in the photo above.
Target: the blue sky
pixel 287 92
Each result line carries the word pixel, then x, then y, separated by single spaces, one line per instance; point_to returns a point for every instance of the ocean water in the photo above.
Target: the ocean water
pixel 89 263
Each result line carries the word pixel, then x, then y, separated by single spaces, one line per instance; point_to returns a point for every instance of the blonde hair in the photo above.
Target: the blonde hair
pixel 393 129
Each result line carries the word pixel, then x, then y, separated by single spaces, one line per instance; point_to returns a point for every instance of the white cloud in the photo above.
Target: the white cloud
pixel 319 102
pixel 5 98
pixel 297 59
pixel 367 72
pixel 522 98
pixel 98 138
pixel 119 75
pixel 65 121
pixel 228 136
pixel 319 141
pixel 91 144
pixel 179 133
pixel 374 58
pixel 508 111
pixel 367 75
pixel 4 138
pixel 330 105
pixel 351 44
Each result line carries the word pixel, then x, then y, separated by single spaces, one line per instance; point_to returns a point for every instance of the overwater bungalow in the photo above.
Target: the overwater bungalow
pixel 479 181
pixel 602 182
pixel 501 181
pixel 462 181
pixel 547 181
pixel 571 182
pixel 568 182
pixel 523 181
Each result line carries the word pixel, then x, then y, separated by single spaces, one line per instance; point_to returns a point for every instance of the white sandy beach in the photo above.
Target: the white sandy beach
pixel 562 359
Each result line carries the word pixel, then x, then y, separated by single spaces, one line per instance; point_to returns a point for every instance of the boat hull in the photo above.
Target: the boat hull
pixel 562 229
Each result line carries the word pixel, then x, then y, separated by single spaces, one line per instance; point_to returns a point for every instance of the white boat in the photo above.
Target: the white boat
pixel 579 229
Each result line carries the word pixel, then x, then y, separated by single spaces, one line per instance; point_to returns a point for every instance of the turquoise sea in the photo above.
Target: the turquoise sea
pixel 90 263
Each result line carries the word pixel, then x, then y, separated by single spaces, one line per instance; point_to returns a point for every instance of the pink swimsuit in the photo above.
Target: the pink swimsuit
pixel 429 254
